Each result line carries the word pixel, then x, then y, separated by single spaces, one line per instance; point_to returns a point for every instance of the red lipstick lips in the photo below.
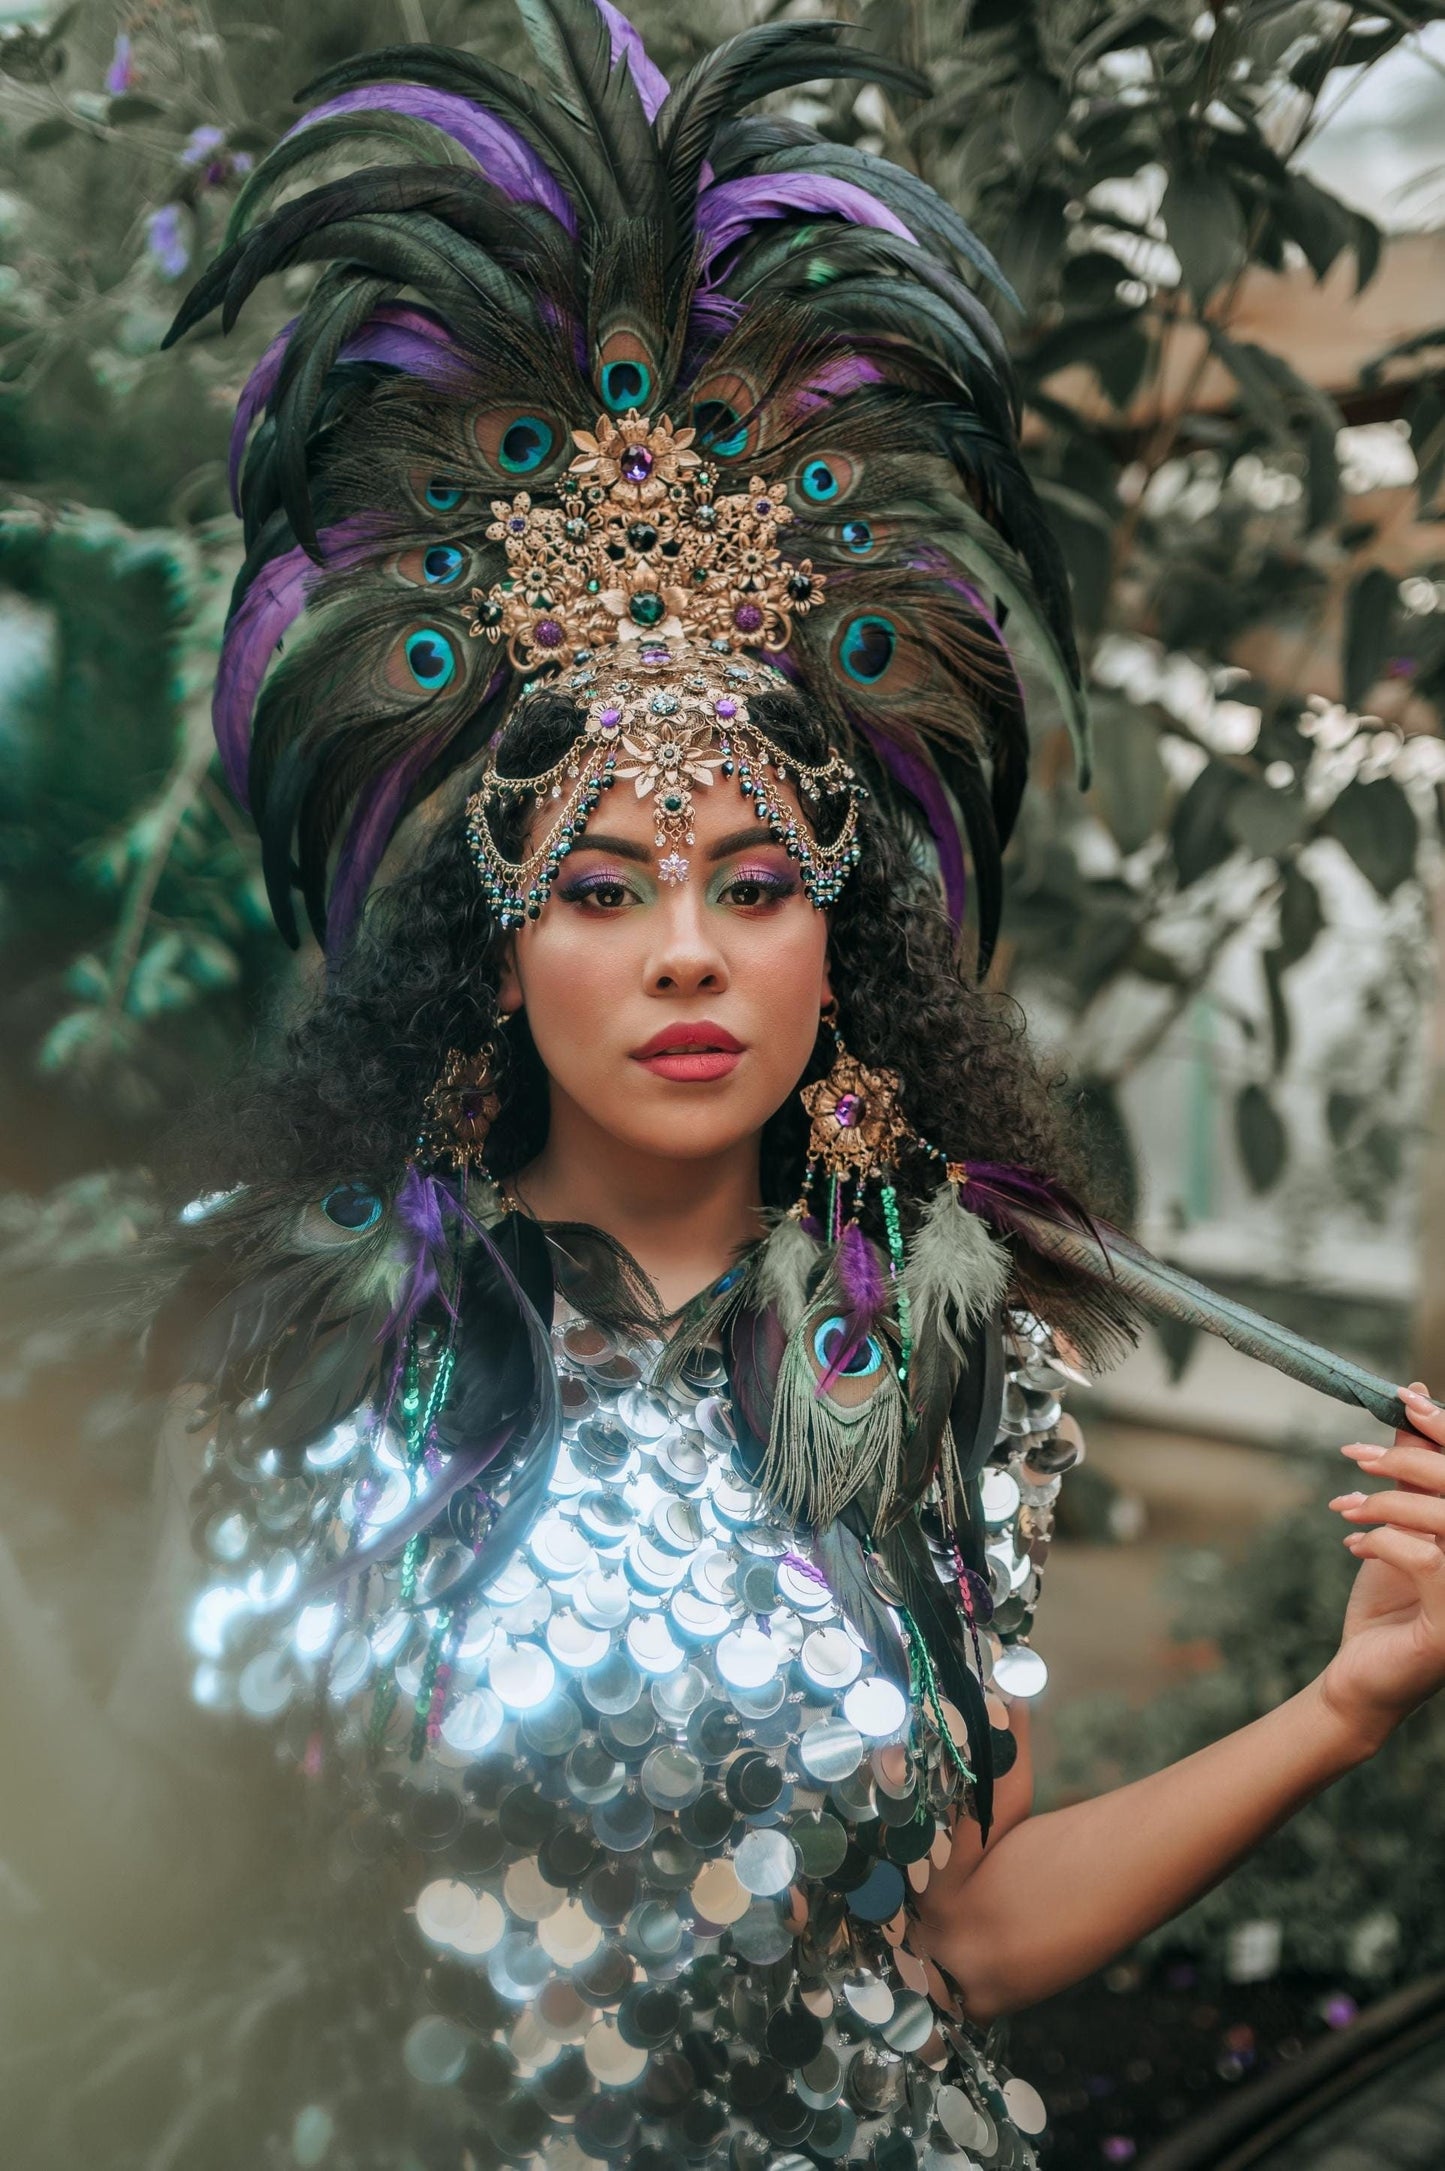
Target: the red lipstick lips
pixel 690 1054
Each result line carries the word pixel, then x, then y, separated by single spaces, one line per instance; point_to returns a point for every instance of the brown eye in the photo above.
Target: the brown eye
pixel 516 444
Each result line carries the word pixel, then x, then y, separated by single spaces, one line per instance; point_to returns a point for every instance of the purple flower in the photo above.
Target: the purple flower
pixel 166 241
pixel 122 73
pixel 201 144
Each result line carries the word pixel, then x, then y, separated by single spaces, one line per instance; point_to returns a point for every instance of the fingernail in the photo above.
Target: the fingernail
pixel 1415 1393
pixel 1365 1451
pixel 1348 1500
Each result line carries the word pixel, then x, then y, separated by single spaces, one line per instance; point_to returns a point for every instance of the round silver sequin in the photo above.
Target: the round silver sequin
pixel 651 1566
pixel 830 1751
pixel 713 1575
pixel 473 1724
pixel 610 2060
pixel 315 1625
pixel 436 2051
pixel 1000 1495
pixel 671 1777
pixel 715 1422
pixel 718 1895
pixel 227 1537
pixel 807 1593
pixel 676 1696
pixel 652 1645
pixel 677 1524
pixel 831 1659
pixel 613 1686
pixel 878 1708
pixel 602 1599
pixel 746 1658
pixel 522 1674
pixel 350 1665
pixel 1019 1671
pixel 569 1936
pixel 336 1448
pixel 559 1548
pixel 267 1684
pixel 682 1459
pixel 593 1774
pixel 737 1504
pixel 573 1644
pixel 766 1862
pixel 870 1998
pixel 965 2126
pixel 1025 2105
pixel 762 1936
pixel 644 1414
pixel 698 1618
pixel 445 1909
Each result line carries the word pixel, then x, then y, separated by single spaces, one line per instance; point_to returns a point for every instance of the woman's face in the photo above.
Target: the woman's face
pixel 676 1015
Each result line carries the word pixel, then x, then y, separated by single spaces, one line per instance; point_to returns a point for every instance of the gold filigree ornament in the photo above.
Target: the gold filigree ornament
pixel 461 1108
pixel 857 1125
pixel 644 565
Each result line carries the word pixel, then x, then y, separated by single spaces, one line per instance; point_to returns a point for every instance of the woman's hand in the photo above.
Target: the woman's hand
pixel 1392 1645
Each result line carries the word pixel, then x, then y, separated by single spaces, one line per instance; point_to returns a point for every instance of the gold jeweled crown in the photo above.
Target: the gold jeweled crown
pixel 644 586
pixel 641 547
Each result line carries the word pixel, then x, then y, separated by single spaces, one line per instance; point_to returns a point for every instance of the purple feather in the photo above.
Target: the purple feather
pixel 835 379
pixel 731 209
pixel 652 85
pixel 422 1204
pixel 271 604
pixel 922 782
pixel 367 838
pixel 254 394
pixel 504 156
pixel 864 1288
pixel 409 339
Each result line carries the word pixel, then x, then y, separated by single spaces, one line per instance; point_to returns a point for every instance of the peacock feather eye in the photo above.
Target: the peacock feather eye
pixel 720 429
pixel 352 1206
pixel 526 445
pixel 626 383
pixel 819 482
pixel 857 537
pixel 442 495
pixel 866 648
pixel 829 1338
pixel 442 563
pixel 431 659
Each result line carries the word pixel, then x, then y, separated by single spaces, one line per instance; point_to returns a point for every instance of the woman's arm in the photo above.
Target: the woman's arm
pixel 1058 1895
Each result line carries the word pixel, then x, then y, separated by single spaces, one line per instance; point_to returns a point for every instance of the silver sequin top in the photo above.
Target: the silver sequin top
pixel 662 1815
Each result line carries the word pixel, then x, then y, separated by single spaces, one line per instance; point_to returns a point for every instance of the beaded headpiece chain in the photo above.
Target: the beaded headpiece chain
pixel 646 587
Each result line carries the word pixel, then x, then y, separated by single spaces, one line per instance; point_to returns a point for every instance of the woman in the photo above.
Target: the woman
pixel 627 1439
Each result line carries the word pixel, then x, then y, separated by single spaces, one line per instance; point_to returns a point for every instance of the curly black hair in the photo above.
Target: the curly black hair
pixel 339 1093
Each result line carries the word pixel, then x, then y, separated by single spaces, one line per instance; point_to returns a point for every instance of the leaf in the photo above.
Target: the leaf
pixel 1198 833
pixel 1301 915
pixel 1205 224
pixel 55 128
pixel 131 106
pixel 1266 822
pixel 1129 779
pixel 1131 27
pixel 1377 827
pixel 1031 246
pixel 1036 116
pixel 1342 1112
pixel 1370 609
pixel 1178 1339
pixel 1280 1035
pixel 1261 1137
pixel 1317 221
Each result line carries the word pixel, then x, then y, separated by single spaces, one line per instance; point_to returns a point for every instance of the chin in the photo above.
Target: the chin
pixel 687 1134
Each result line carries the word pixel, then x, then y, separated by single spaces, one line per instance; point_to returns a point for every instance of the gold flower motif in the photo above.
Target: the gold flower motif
pixel 632 459
pixel 855 1117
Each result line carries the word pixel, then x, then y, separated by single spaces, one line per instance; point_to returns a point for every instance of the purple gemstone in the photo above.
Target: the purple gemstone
pixel 747 618
pixel 848 1110
pixel 762 507
pixel 725 707
pixel 609 716
pixel 657 655
pixel 517 524
pixel 547 633
pixel 636 464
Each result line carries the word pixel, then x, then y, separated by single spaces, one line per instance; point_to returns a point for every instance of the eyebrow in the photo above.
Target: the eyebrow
pixel 738 840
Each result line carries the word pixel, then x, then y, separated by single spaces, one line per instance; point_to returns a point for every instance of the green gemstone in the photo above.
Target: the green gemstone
pixel 647 609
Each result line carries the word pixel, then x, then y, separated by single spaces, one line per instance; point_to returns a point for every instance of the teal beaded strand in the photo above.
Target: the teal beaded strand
pixel 895 1268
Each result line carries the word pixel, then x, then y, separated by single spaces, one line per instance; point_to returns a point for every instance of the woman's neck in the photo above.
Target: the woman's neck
pixel 682 1221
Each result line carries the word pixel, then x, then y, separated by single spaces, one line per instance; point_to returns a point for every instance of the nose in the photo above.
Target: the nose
pixel 685 958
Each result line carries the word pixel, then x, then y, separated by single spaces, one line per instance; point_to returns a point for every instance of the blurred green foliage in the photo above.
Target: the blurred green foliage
pixel 1355 1884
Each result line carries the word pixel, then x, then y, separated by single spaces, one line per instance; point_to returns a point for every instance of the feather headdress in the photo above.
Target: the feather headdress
pixel 501 262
